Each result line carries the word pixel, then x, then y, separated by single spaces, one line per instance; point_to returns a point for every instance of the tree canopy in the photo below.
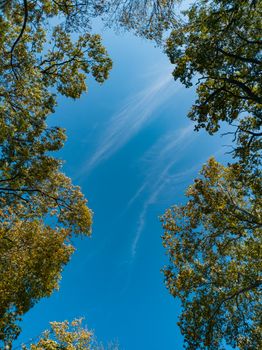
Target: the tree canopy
pixel 214 240
pixel 36 64
pixel 40 208
pixel 147 18
pixel 218 47
pixel 214 248
pixel 32 257
pixel 68 335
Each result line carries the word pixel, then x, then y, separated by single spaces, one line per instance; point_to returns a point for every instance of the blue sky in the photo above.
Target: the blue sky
pixel 133 152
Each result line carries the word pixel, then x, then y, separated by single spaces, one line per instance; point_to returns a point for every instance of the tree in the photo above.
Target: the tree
pixel 35 65
pixel 147 18
pixel 65 335
pixel 214 248
pixel 32 257
pixel 40 209
pixel 214 240
pixel 218 46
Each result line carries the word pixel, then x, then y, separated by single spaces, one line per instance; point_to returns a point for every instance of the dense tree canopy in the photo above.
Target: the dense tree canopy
pixel 214 247
pixel 32 256
pixel 218 46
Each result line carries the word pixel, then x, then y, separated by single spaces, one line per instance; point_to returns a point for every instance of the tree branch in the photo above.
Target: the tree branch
pixel 243 59
pixel 19 37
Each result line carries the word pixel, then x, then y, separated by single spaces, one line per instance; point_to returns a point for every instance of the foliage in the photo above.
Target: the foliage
pixel 36 64
pixel 214 240
pixel 214 247
pixel 146 18
pixel 31 260
pixel 43 54
pixel 219 45
pixel 65 335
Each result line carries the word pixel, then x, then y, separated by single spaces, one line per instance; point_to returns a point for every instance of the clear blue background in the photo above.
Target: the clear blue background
pixel 133 151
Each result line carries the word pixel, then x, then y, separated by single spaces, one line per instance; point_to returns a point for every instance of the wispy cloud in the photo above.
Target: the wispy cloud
pixel 131 118
pixel 142 218
pixel 161 158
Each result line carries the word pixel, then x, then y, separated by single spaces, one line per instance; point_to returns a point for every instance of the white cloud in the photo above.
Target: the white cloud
pixel 161 159
pixel 132 117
